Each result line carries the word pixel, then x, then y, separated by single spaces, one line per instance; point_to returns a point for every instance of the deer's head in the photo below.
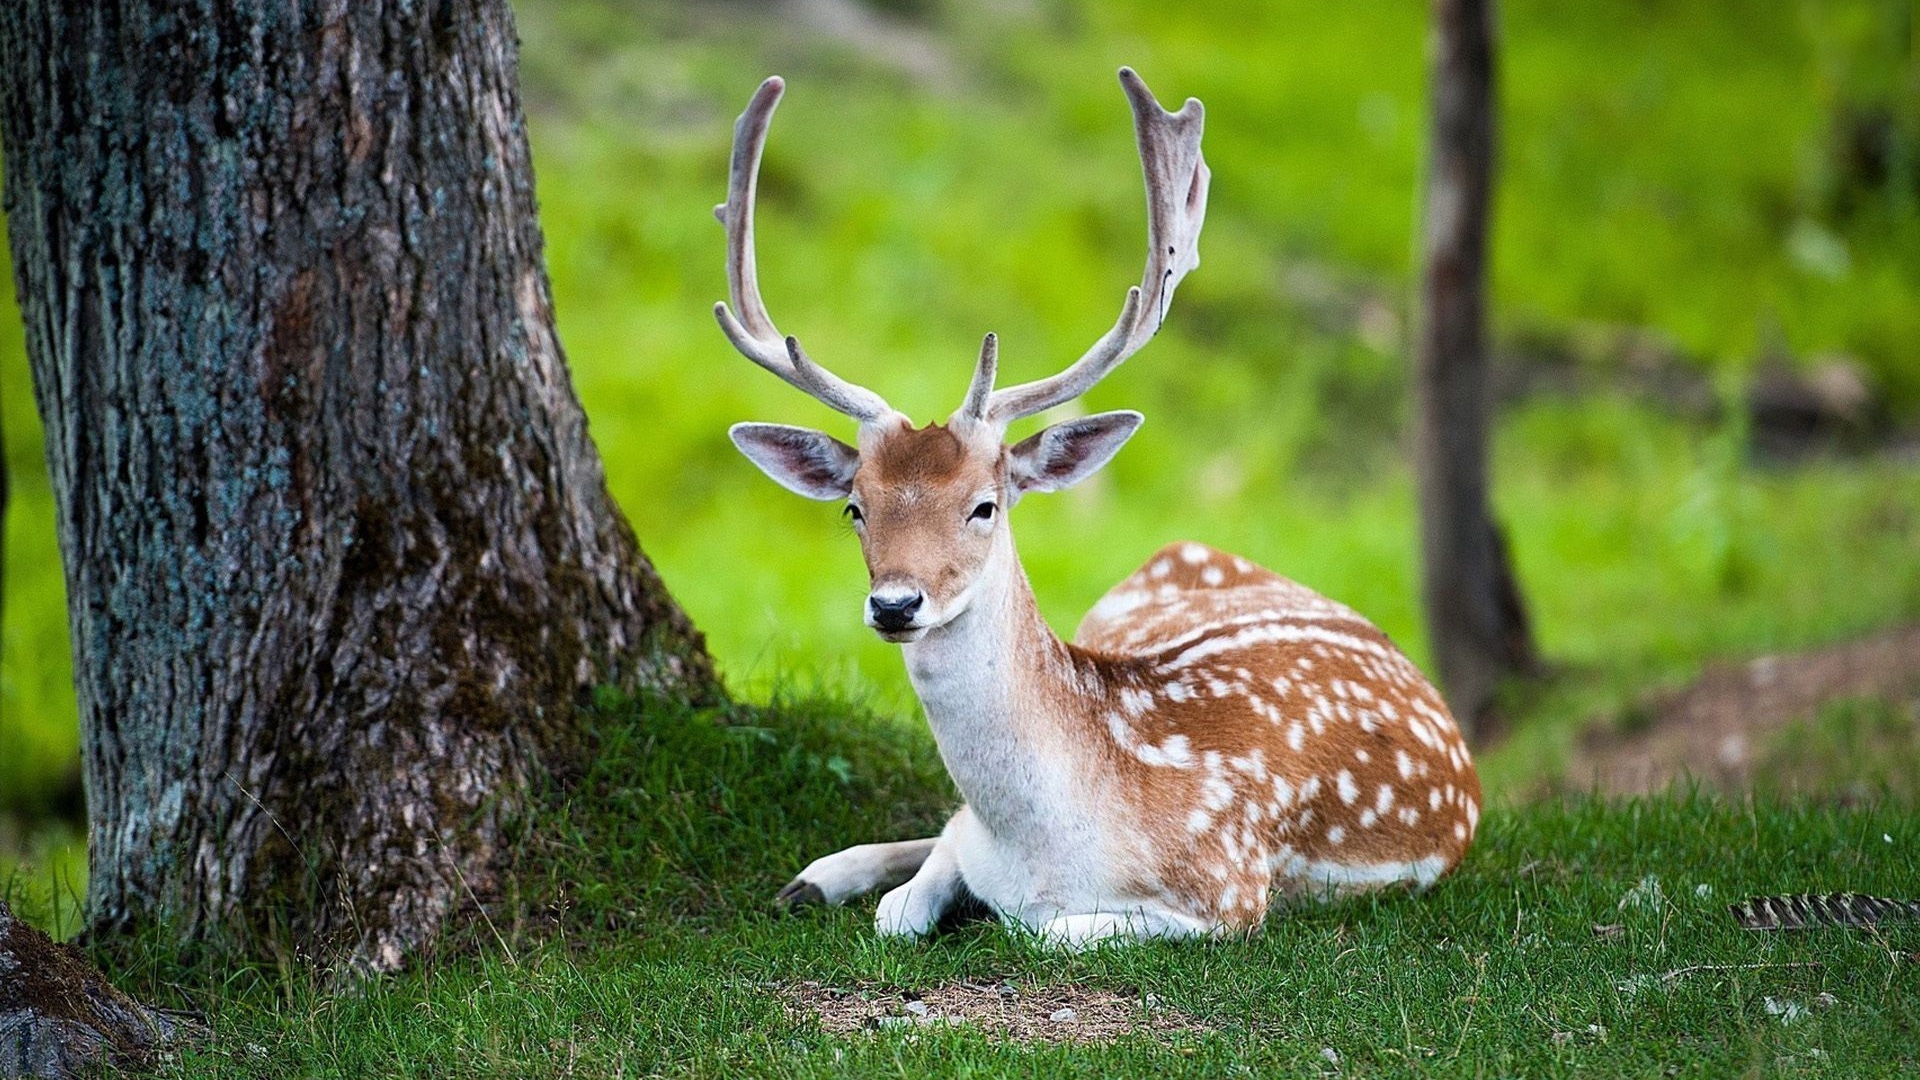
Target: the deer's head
pixel 929 504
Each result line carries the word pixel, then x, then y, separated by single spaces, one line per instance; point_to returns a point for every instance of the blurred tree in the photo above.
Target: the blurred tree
pixel 339 552
pixel 6 496
pixel 1476 617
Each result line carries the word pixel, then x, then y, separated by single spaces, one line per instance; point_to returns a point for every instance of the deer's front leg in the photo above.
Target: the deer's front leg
pixel 912 910
pixel 843 875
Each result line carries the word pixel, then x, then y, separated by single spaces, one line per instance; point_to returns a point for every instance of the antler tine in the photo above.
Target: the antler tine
pixel 1176 178
pixel 753 332
pixel 980 391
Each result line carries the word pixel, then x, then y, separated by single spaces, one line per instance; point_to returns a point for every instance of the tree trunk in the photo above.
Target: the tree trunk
pixel 1475 615
pixel 339 553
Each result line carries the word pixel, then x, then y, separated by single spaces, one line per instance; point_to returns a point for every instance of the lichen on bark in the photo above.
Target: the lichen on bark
pixel 340 555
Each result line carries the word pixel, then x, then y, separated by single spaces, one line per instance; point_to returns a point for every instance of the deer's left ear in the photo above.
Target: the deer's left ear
pixel 1069 452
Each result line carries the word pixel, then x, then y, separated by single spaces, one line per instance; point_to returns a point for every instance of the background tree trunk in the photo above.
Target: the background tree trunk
pixel 339 552
pixel 1475 614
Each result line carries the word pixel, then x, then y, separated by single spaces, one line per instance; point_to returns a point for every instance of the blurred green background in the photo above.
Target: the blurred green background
pixel 1692 194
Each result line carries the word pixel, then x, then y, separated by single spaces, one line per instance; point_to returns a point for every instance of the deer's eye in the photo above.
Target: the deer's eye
pixel 853 513
pixel 983 512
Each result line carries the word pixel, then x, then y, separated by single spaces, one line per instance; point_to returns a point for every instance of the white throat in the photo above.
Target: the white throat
pixel 988 680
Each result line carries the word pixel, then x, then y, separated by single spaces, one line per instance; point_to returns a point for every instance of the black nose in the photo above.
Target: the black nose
pixel 894 612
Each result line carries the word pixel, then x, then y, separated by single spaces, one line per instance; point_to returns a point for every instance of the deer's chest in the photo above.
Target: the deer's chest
pixel 1034 873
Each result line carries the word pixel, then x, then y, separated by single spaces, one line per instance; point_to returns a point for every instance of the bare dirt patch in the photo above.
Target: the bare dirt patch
pixel 1727 723
pixel 1021 1013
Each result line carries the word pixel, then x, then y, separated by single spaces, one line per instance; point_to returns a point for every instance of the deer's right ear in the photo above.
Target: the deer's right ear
pixel 802 460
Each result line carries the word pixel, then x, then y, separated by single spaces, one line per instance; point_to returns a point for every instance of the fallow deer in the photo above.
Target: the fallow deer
pixel 1214 734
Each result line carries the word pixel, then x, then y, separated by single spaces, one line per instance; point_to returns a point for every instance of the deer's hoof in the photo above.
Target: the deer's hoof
pixel 799 893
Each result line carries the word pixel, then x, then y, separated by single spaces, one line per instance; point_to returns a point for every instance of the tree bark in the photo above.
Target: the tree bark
pixel 1476 617
pixel 59 1017
pixel 339 553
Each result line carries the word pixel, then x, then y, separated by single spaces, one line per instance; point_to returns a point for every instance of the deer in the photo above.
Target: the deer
pixel 1215 739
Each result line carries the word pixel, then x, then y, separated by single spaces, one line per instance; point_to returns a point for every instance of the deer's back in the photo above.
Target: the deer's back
pixel 1265 734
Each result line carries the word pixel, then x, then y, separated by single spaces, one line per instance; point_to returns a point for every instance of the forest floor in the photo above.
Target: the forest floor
pixel 1841 721
pixel 1580 936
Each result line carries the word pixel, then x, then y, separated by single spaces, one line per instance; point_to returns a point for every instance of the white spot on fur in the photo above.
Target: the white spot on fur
pixel 1404 764
pixel 1265 709
pixel 1282 792
pixel 1193 553
pixel 1385 801
pixel 1296 736
pixel 1217 793
pixel 1173 752
pixel 1349 791
pixel 1198 820
pixel 1116 605
pixel 1212 575
pixel 1422 733
pixel 1336 834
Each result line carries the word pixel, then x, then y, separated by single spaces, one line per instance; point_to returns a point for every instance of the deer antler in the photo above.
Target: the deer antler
pixel 753 332
pixel 1176 178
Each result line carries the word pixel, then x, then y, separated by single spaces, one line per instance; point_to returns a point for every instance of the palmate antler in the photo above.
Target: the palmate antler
pixel 753 332
pixel 1176 178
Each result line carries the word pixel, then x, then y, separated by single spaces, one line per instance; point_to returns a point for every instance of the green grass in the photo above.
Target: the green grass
pixel 1852 748
pixel 648 947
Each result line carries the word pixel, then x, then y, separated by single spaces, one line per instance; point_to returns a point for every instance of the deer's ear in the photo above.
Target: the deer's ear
pixel 802 460
pixel 1069 452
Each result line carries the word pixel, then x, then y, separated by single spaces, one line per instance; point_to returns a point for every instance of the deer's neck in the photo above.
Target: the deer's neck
pixel 1000 691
